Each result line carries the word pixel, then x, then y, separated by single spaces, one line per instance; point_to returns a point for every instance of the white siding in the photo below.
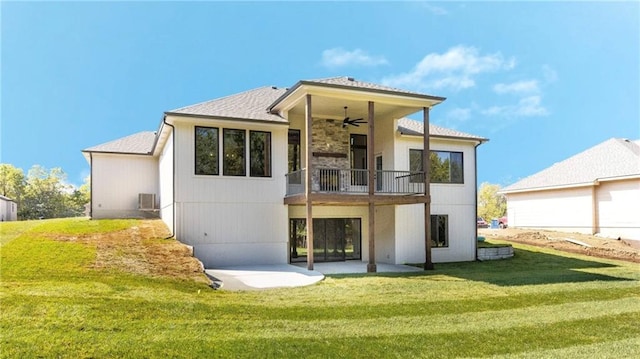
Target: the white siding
pixel 117 180
pixel 8 210
pixel 457 201
pixel 231 220
pixel 619 209
pixel 165 163
pixel 567 210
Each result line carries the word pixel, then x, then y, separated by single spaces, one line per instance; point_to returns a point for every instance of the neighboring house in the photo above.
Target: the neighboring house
pixel 239 177
pixel 8 209
pixel 595 191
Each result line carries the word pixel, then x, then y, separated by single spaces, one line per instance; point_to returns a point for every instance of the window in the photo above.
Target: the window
pixel 446 167
pixel 294 157
pixel 439 231
pixel 260 154
pixel 206 157
pixel 234 163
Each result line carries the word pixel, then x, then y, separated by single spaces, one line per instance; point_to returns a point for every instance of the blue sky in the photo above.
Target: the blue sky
pixel 542 80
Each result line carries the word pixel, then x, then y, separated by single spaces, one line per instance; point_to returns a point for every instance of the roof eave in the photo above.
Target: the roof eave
pixel 271 109
pixel 227 118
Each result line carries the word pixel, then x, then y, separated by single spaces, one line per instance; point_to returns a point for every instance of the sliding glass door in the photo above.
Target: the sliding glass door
pixel 334 239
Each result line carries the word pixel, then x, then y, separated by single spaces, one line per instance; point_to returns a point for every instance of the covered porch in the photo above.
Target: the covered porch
pixel 341 150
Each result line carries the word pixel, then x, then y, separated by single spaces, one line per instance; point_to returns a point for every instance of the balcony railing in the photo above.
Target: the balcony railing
pixel 332 180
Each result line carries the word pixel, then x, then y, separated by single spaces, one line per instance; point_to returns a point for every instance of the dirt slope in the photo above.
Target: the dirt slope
pixel 595 246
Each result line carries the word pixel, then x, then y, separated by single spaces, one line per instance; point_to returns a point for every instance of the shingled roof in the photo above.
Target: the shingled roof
pixel 611 159
pixel 140 143
pixel 350 82
pixel 248 105
pixel 411 127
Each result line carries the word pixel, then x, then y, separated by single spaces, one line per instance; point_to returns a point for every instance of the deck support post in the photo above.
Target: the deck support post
pixel 308 183
pixel 426 167
pixel 371 266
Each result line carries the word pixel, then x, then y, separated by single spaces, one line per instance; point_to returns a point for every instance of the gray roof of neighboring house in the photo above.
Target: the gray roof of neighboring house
pixel 140 143
pixel 6 198
pixel 250 105
pixel 613 158
pixel 408 126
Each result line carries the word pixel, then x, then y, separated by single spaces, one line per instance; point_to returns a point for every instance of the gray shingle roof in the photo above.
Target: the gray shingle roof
pixel 613 158
pixel 408 126
pixel 139 143
pixel 345 81
pixel 250 105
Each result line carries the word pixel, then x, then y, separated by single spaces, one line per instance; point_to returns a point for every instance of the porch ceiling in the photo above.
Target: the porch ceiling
pixel 330 103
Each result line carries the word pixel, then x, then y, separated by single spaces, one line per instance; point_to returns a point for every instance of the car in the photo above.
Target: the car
pixel 503 222
pixel 481 223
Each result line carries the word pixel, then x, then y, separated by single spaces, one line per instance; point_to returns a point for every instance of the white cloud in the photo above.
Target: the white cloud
pixel 527 107
pixel 454 69
pixel 339 57
pixel 459 114
pixel 529 86
pixel 436 10
pixel 550 75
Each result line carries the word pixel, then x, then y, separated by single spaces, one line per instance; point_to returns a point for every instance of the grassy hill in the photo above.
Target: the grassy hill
pixel 76 288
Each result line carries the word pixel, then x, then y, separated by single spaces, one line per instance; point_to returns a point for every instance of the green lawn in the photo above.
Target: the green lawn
pixel 541 304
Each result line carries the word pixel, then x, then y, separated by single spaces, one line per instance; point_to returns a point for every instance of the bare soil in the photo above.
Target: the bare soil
pixel 143 250
pixel 626 250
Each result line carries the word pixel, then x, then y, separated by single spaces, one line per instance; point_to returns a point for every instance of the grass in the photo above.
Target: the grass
pixel 55 302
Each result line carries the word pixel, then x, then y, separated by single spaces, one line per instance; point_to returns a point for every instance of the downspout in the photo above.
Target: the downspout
pixel 91 184
pixel 173 180
pixel 475 197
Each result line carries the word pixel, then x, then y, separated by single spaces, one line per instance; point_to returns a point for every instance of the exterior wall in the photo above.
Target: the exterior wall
pixel 231 220
pixel 8 210
pixel 116 181
pixel 455 200
pixel 566 210
pixel 165 171
pixel 619 209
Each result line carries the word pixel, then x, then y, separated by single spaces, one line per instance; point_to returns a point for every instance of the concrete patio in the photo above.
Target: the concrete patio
pixel 260 277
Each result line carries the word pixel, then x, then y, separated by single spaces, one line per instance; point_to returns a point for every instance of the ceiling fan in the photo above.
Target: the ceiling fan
pixel 355 122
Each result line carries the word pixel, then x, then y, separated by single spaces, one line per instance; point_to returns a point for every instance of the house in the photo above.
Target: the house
pixel 8 209
pixel 595 191
pixel 327 170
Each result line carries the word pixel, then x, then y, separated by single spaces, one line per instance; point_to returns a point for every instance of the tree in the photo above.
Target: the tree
pixel 491 204
pixel 12 181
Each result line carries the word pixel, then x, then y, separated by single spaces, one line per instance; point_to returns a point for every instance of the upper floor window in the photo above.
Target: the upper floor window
pixel 233 144
pixel 446 167
pixel 234 152
pixel 260 153
pixel 206 151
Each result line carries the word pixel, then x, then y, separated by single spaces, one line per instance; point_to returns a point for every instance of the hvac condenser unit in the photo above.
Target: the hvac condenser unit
pixel 147 201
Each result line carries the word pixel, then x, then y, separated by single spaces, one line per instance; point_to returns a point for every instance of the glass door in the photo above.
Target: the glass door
pixel 334 239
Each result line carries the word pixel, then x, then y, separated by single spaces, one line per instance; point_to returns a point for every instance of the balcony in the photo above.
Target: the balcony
pixel 354 181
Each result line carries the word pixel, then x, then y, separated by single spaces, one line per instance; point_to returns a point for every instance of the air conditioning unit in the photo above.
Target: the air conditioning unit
pixel 147 201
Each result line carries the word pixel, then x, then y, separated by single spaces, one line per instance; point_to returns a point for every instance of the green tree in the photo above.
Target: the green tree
pixel 45 194
pixel 12 181
pixel 491 204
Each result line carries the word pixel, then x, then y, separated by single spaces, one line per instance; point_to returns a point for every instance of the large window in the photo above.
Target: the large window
pixel 260 153
pixel 439 230
pixel 206 157
pixel 234 163
pixel 446 167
